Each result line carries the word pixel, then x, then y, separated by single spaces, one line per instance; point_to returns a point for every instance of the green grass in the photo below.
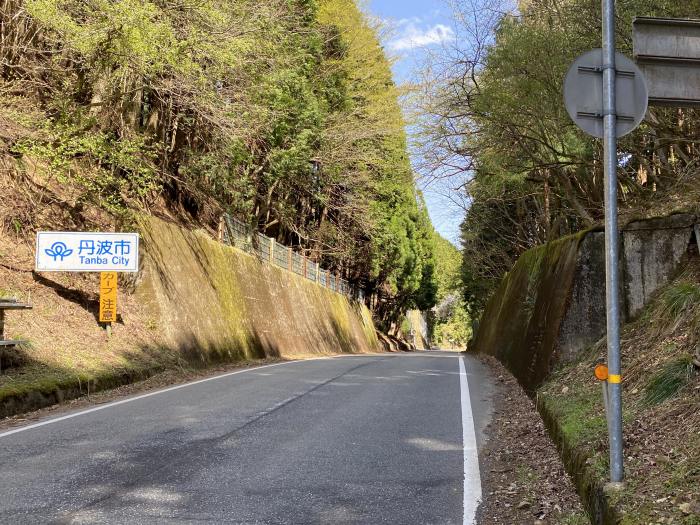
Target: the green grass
pixel 582 416
pixel 579 518
pixel 679 297
pixel 672 378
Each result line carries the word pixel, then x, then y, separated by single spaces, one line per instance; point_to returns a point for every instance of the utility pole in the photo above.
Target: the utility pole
pixel 612 242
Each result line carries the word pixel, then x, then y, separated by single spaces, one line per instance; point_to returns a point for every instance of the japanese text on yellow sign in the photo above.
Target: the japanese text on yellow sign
pixel 108 297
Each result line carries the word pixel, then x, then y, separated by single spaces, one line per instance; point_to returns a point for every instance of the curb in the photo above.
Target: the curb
pixel 74 388
pixel 589 487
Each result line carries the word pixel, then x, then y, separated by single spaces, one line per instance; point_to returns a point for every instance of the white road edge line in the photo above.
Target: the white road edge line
pixel 472 475
pixel 149 394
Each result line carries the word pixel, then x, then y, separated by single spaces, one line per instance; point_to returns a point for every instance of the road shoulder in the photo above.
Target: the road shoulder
pixel 523 478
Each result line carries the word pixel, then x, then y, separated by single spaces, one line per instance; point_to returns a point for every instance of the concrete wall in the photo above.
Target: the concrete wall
pixel 652 250
pixel 551 305
pixel 520 325
pixel 584 320
pixel 217 303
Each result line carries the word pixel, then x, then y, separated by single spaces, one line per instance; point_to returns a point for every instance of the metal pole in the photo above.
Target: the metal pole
pixel 606 402
pixel 612 241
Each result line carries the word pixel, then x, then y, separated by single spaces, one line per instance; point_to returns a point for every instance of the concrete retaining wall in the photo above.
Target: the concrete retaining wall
pixel 551 305
pixel 652 251
pixel 520 325
pixel 217 303
pixel 584 320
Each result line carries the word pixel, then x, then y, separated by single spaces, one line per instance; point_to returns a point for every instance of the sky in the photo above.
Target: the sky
pixel 419 26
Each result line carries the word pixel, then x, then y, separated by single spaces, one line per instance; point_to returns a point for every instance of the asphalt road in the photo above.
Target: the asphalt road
pixel 357 439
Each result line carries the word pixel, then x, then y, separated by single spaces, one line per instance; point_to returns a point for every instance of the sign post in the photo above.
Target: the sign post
pixel 668 52
pixel 612 242
pixel 106 253
pixel 606 96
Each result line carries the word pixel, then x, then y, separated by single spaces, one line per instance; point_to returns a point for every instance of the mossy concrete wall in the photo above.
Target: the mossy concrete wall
pixel 551 305
pixel 652 251
pixel 216 303
pixel 584 320
pixel 520 325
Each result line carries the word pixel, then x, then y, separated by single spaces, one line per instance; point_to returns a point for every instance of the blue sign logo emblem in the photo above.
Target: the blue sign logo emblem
pixel 58 250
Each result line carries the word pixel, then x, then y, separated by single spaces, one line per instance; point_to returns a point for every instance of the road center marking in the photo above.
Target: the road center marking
pixel 177 387
pixel 149 394
pixel 472 476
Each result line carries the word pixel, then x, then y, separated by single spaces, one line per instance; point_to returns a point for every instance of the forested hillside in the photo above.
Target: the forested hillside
pixel 281 112
pixel 449 322
pixel 495 112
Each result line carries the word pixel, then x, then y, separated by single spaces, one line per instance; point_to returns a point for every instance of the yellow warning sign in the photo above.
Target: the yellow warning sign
pixel 108 297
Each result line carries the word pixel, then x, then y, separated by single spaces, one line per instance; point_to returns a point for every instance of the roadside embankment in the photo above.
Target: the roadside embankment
pixel 523 478
pixel 216 303
pixel 546 324
pixel 661 394
pixel 195 303
pixel 551 306
pixel 520 325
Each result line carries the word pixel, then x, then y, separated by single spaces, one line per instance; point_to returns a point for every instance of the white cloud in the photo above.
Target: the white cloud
pixel 402 22
pixel 413 36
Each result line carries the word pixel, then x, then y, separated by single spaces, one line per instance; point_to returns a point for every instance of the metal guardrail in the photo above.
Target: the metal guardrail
pixel 236 233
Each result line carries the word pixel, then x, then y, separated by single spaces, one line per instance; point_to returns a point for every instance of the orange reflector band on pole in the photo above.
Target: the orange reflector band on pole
pixel 612 378
pixel 601 372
